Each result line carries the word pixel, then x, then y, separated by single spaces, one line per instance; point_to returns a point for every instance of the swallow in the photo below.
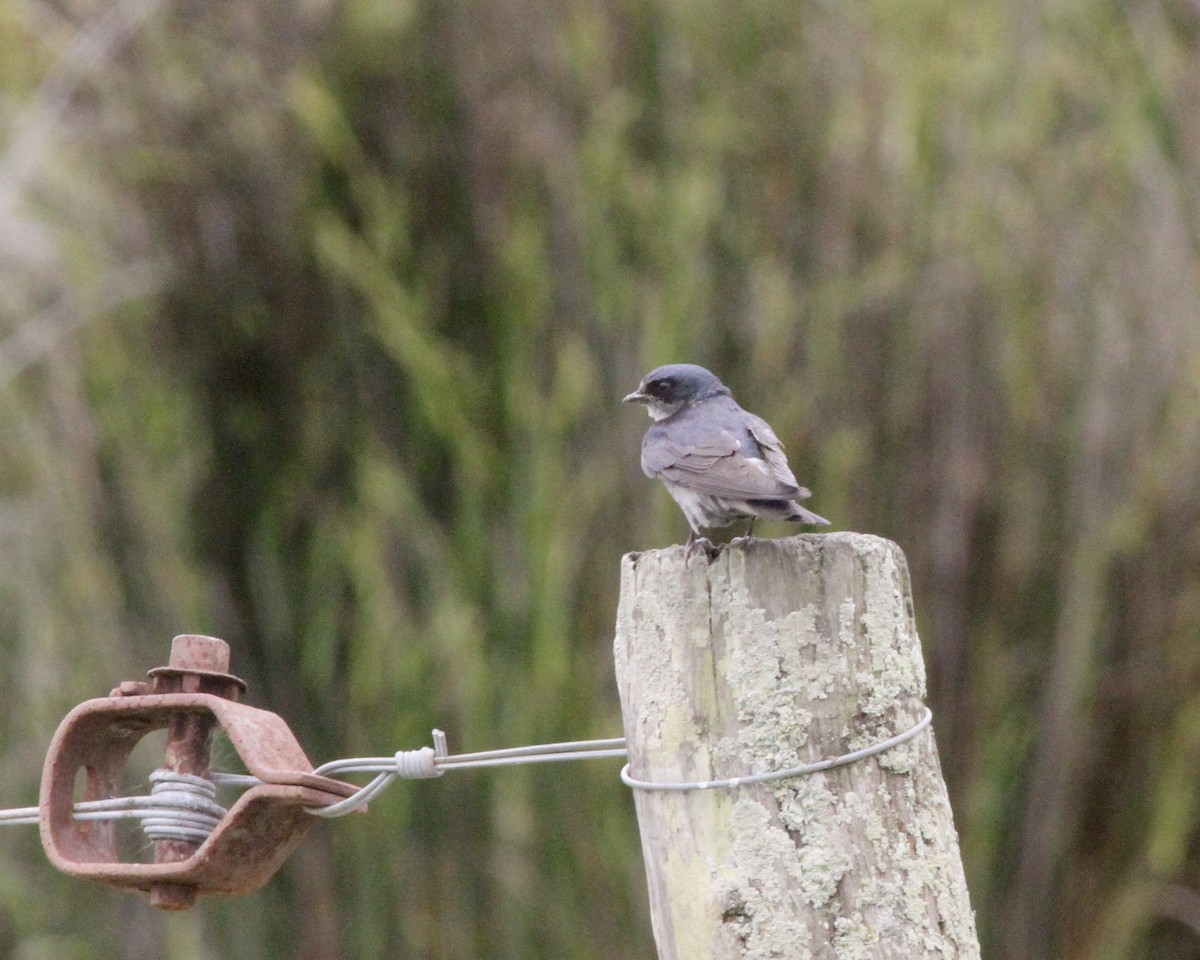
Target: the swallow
pixel 720 462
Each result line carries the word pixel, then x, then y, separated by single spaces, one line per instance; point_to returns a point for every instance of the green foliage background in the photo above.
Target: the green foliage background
pixel 314 320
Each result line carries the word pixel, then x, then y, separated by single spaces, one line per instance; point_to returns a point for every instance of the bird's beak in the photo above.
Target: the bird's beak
pixel 636 396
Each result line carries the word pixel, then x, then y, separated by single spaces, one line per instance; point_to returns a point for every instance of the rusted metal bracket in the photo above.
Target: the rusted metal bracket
pixel 190 698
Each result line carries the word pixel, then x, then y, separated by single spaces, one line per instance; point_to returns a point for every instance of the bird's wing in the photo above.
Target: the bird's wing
pixel 713 459
pixel 772 451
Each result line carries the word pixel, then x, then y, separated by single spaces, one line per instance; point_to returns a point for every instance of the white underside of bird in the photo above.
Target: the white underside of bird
pixel 704 510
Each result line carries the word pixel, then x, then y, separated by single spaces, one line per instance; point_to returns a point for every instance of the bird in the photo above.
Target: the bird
pixel 721 463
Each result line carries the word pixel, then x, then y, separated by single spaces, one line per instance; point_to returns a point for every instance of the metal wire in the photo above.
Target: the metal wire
pixel 798 771
pixel 180 807
pixel 18 816
pixel 436 760
pixel 183 807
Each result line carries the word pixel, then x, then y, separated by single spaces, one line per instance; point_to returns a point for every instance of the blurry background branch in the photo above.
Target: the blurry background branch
pixel 30 342
pixel 314 320
pixel 90 49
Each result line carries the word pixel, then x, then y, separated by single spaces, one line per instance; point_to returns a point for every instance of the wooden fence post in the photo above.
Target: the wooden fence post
pixel 774 654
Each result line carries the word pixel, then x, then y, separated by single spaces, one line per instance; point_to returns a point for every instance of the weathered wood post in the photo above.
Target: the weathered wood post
pixel 775 654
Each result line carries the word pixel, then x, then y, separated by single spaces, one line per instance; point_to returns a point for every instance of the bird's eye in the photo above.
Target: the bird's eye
pixel 662 387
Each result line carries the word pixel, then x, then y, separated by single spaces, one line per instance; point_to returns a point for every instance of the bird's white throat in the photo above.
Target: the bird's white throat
pixel 659 410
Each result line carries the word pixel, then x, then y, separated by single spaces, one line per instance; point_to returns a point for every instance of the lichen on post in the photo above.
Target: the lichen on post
pixel 772 654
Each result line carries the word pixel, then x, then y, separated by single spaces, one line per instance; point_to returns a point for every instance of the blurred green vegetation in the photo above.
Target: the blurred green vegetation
pixel 314 320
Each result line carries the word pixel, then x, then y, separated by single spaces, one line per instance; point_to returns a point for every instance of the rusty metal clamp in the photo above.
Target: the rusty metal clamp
pixel 190 698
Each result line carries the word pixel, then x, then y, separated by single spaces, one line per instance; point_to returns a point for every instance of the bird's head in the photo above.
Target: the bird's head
pixel 668 388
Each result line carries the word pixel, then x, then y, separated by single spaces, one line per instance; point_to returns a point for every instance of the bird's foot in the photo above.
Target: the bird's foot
pixel 696 545
pixel 747 537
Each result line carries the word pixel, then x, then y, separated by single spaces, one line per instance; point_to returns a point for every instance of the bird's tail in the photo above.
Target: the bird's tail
pixel 800 515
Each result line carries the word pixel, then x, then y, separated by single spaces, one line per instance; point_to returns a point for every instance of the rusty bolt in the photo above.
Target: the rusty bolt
pixel 198 664
pixel 193 651
pixel 249 843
